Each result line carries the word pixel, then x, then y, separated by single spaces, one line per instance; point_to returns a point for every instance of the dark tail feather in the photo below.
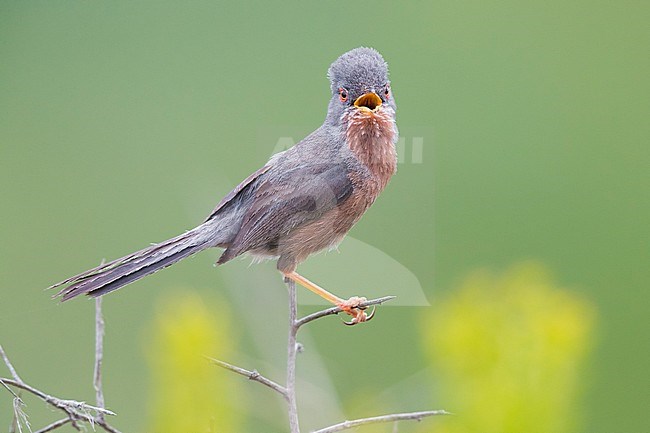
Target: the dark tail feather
pixel 113 275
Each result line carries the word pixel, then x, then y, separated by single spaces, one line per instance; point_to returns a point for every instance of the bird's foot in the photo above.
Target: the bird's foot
pixel 353 308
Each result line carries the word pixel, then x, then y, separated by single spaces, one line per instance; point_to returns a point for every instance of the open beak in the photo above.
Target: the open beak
pixel 368 102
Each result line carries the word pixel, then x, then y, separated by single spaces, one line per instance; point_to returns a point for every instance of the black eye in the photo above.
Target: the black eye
pixel 387 91
pixel 343 94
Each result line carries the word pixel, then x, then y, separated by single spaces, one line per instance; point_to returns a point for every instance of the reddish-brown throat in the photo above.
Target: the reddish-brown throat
pixel 371 133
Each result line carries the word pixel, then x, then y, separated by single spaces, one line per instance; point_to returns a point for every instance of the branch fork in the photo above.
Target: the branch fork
pixel 76 412
pixel 288 393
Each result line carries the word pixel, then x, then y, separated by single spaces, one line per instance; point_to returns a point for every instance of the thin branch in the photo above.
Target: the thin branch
pixel 9 389
pixel 20 416
pixel 55 425
pixel 75 410
pixel 292 352
pixel 107 427
pixel 252 375
pixel 14 420
pixel 346 425
pixel 97 373
pixel 336 310
pixel 99 356
pixel 71 407
pixel 11 368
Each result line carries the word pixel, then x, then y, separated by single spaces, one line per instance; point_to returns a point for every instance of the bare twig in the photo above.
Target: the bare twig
pixel 70 407
pixel 346 425
pixel 292 352
pixel 10 390
pixel 109 428
pixel 97 373
pixel 289 392
pixel 11 368
pixel 75 411
pixel 20 417
pixel 55 425
pixel 336 310
pixel 252 375
pixel 99 356
pixel 15 420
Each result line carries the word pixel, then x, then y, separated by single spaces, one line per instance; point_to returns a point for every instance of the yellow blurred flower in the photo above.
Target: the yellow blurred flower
pixel 508 352
pixel 189 394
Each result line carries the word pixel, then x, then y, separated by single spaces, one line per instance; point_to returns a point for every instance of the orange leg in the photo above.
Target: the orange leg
pixel 350 306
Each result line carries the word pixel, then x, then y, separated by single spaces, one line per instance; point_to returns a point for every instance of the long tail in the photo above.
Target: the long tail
pixel 120 272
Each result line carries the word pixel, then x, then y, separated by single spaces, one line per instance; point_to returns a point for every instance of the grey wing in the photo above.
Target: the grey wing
pixel 288 201
pixel 235 192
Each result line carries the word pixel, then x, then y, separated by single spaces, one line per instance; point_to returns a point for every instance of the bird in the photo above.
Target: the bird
pixel 302 201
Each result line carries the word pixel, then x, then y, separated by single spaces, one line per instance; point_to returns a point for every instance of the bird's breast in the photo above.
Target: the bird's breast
pixel 371 138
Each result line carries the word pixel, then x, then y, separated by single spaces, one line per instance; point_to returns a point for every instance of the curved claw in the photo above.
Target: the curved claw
pixel 361 317
pixel 372 313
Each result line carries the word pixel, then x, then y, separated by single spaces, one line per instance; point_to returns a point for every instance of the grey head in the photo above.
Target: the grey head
pixel 359 84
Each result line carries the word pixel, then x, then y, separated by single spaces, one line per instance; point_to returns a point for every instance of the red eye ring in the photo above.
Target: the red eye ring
pixel 343 94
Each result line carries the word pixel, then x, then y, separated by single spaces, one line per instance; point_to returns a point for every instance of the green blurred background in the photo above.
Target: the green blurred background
pixel 123 123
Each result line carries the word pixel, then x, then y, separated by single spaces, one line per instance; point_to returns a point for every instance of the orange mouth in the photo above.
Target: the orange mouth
pixel 368 102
